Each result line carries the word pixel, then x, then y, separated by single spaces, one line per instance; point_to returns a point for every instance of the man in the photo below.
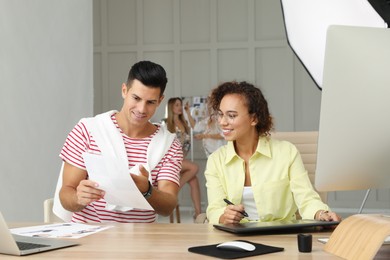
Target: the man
pixel 142 94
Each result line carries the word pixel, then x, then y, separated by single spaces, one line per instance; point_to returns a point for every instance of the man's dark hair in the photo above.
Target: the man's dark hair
pixel 148 73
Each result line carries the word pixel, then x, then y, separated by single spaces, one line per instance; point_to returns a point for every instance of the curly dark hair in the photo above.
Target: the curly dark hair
pixel 254 98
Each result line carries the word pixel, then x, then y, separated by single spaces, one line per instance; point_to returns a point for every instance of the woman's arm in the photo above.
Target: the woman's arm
pixel 309 203
pixel 190 118
pixel 208 136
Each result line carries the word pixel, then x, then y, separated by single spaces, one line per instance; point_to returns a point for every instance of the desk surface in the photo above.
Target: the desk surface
pixel 171 241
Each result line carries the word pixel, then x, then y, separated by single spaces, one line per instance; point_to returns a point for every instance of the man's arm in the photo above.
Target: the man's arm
pixel 77 192
pixel 163 198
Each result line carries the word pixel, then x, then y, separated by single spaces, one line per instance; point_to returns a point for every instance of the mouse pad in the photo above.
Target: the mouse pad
pixel 213 250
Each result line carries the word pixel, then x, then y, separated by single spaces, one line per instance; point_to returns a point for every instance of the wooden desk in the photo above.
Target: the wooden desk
pixel 171 241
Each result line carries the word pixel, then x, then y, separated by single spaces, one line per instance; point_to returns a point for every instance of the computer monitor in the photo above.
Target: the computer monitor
pixel 354 131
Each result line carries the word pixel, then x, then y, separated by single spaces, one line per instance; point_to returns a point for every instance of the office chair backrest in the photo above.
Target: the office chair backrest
pixel 306 143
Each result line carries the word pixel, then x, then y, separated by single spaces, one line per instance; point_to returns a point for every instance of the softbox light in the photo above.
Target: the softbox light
pixel 307 21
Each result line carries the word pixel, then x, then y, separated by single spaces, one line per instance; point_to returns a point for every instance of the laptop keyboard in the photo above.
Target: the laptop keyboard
pixel 27 246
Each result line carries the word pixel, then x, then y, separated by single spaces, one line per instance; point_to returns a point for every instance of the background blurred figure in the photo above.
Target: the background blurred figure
pixel 176 123
pixel 210 133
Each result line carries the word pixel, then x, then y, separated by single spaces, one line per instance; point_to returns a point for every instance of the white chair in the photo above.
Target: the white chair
pixel 48 215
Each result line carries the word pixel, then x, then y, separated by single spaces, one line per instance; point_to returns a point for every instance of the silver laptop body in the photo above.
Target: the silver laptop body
pixel 9 242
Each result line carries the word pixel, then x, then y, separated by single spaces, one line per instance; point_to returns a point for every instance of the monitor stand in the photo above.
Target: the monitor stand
pixel 360 237
pixel 364 201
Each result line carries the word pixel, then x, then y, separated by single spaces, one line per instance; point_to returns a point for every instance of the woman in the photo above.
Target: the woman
pixel 176 123
pixel 211 135
pixel 262 177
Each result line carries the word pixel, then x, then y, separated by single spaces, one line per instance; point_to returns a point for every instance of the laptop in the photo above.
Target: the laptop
pixel 274 226
pixel 21 245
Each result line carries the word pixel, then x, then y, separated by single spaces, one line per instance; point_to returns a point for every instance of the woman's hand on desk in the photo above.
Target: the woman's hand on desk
pixel 326 215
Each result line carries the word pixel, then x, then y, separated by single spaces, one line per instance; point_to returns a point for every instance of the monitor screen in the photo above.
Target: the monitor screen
pixel 354 131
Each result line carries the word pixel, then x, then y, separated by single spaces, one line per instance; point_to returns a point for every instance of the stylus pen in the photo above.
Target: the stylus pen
pixel 230 203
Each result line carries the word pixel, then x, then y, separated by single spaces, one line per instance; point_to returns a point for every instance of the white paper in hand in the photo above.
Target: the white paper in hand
pixel 115 181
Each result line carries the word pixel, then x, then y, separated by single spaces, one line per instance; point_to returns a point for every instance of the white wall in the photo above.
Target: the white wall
pixel 201 43
pixel 45 88
pixel 46 76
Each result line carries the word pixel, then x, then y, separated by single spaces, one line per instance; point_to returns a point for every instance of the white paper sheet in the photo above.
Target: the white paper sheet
pixel 60 230
pixel 115 180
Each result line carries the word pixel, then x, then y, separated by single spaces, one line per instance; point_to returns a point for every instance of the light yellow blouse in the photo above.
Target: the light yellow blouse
pixel 280 182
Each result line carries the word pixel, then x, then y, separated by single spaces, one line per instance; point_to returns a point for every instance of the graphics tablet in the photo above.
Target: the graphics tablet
pixel 273 226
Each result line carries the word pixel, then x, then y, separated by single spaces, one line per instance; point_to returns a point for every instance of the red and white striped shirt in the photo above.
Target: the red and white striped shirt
pixel 80 140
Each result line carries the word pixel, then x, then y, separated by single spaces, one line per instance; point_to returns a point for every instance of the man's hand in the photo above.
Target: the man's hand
pixel 88 192
pixel 164 196
pixel 77 191
pixel 142 180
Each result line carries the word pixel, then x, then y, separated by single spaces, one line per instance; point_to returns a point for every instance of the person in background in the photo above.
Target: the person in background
pixel 263 177
pixel 176 123
pixel 211 135
pixel 142 94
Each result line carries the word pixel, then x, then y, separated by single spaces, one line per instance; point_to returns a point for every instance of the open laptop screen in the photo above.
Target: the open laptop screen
pixel 22 245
